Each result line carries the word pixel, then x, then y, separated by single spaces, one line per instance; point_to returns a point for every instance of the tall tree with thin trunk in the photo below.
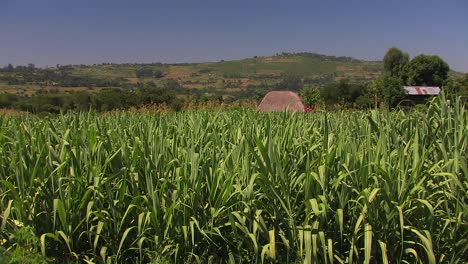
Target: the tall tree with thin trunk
pixel 395 61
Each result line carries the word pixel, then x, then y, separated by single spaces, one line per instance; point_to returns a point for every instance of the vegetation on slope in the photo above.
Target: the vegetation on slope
pixel 248 71
pixel 341 81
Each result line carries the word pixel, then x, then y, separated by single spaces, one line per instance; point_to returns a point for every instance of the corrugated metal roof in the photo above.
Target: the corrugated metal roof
pixel 422 90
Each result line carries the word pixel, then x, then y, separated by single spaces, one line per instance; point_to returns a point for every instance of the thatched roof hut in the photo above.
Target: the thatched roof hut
pixel 281 100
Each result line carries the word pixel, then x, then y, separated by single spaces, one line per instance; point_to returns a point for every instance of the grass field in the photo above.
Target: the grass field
pixel 238 186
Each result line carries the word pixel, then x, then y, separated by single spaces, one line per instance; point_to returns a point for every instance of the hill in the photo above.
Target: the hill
pixel 235 79
pixel 222 77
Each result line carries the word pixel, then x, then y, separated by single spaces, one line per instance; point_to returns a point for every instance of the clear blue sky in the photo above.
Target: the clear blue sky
pixel 50 32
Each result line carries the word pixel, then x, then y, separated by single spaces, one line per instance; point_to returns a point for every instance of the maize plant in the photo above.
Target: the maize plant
pixel 239 186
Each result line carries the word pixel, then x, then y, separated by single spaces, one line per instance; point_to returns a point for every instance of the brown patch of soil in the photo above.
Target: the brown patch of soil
pixel 133 79
pixel 341 68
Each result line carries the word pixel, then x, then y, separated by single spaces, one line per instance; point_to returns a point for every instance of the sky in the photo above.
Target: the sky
pixel 51 32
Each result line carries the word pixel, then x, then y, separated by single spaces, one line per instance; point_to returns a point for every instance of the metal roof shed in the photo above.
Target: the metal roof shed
pixel 422 90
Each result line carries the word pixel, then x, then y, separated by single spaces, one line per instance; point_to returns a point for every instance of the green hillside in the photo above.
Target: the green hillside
pixel 236 79
pixel 248 71
pixel 215 77
pixel 306 64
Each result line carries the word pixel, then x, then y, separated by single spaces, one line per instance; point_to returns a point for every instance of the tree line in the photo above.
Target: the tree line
pixel 103 100
pixel 61 76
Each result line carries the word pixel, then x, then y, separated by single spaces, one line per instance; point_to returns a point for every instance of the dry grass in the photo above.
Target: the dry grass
pixel 11 112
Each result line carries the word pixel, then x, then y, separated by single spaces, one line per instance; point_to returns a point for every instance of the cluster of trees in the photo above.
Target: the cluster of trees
pixel 149 73
pixel 458 87
pixel 422 70
pixel 320 57
pixel 387 90
pixel 290 83
pixel 104 100
pixel 60 76
pixel 344 92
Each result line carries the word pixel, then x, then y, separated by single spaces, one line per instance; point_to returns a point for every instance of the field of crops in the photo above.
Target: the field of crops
pixel 238 187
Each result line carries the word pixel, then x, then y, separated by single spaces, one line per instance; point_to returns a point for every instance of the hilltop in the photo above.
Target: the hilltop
pixel 238 74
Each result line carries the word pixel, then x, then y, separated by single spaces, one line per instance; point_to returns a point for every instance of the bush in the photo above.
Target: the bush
pixel 389 90
pixel 311 96
pixel 176 105
pixel 24 249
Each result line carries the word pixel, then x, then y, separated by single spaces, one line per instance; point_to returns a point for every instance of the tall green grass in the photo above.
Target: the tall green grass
pixel 213 187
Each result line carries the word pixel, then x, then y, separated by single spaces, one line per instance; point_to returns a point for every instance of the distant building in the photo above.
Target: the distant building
pixel 419 94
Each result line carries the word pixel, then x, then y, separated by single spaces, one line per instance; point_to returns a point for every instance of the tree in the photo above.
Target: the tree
pixel 10 68
pixel 109 99
pixel 330 93
pixel 389 90
pixel 457 87
pixel 158 74
pixel 343 92
pixel 427 70
pixel 7 100
pixel 150 93
pixel 289 83
pixel 310 96
pixel 365 100
pixel 144 73
pixel 395 62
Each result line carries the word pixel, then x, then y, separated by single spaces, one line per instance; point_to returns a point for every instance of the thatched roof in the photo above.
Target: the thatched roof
pixel 281 100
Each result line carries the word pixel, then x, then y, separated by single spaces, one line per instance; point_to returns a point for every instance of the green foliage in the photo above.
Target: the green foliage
pixel 240 186
pixel 263 74
pixel 233 75
pixel 289 83
pixel 462 83
pixel 23 249
pixel 389 90
pixel 395 62
pixel 457 87
pixel 61 76
pixel 177 105
pixel 21 256
pixel 104 100
pixel 149 73
pixel 365 100
pixel 311 96
pixel 426 70
pixel 205 70
pixel 343 92
pixel 303 64
pixel 109 99
pixel 150 93
pixel 7 100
